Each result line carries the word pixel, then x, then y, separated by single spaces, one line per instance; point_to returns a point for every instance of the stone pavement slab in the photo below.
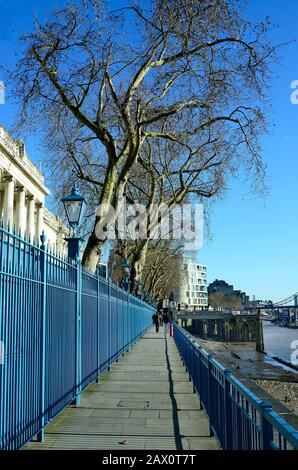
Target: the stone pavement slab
pixel 144 402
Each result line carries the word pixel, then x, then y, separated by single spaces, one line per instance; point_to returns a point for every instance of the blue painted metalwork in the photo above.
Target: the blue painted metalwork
pixel 238 418
pixel 61 328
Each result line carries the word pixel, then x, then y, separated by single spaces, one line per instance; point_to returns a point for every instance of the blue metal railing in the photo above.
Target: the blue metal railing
pixel 60 328
pixel 237 417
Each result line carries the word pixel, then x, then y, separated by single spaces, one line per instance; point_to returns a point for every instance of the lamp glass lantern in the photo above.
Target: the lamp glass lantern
pixel 126 268
pixel 74 206
pixel 139 288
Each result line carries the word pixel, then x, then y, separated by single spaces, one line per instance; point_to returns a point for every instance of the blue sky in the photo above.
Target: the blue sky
pixel 255 240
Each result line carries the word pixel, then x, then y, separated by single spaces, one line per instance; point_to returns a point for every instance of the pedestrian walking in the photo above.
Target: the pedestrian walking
pixel 155 318
pixel 166 320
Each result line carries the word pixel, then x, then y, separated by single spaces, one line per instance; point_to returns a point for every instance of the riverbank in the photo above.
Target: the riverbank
pixel 278 380
pixel 244 358
pixel 285 392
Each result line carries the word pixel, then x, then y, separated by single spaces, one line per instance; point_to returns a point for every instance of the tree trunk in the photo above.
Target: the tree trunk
pixel 93 250
pixel 137 264
pixel 92 253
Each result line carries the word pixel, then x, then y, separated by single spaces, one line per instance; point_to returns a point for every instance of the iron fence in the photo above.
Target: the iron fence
pixel 60 328
pixel 237 417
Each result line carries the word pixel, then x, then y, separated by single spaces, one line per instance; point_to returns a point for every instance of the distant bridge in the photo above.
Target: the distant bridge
pixel 289 302
pixel 284 312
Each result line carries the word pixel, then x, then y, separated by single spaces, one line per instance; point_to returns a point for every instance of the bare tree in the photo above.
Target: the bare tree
pixel 219 301
pixel 216 300
pixel 104 83
pixel 162 269
pixel 233 302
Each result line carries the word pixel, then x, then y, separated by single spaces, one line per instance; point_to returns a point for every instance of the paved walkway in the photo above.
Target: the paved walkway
pixel 145 402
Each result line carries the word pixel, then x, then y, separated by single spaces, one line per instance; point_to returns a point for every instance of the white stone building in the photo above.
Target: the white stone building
pixel 23 193
pixel 193 290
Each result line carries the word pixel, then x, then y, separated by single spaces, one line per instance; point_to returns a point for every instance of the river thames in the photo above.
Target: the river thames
pixel 278 340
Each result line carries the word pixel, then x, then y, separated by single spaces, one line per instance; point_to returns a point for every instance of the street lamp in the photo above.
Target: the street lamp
pixel 74 206
pixel 145 292
pixel 126 274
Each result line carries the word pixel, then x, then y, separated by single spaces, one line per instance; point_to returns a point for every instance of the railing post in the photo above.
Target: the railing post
pixel 200 377
pixel 227 410
pixel 109 327
pixel 266 427
pixel 3 418
pixel 43 281
pixel 127 327
pixel 210 394
pixel 191 368
pixel 98 329
pixel 77 398
pixel 259 331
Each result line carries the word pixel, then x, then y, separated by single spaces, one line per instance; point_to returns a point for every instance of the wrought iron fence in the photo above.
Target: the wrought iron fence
pixel 237 417
pixel 60 328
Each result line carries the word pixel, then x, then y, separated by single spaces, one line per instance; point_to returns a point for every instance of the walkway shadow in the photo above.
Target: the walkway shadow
pixel 175 416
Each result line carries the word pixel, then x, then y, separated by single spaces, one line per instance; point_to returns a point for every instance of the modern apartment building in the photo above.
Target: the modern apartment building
pixel 193 290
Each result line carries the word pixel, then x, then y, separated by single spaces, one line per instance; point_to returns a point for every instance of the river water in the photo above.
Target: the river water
pixel 279 341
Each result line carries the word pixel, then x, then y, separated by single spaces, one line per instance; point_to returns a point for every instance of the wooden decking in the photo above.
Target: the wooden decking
pixel 145 402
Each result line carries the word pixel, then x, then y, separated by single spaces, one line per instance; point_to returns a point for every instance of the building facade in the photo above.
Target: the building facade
pixel 22 196
pixel 193 290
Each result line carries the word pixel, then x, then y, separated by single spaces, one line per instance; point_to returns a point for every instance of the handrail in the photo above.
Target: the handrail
pixel 238 418
pixel 283 427
pixel 60 329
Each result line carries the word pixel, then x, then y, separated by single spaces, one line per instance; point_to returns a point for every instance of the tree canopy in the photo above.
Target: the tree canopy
pixel 184 79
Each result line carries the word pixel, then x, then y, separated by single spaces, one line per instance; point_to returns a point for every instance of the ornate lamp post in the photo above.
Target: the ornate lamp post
pixel 145 294
pixel 126 275
pixel 74 206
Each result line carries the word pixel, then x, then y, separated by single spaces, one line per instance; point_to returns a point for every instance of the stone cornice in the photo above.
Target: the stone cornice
pixel 16 152
pixel 54 221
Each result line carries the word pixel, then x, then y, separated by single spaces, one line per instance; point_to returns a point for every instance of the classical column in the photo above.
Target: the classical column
pixel 1 196
pixel 39 221
pixel 21 210
pixel 8 200
pixel 30 217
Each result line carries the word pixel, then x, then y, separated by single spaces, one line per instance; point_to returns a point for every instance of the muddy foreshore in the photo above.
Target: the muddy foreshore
pixel 285 392
pixel 275 378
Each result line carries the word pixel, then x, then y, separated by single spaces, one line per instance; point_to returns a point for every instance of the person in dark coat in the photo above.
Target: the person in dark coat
pixel 155 318
pixel 166 320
